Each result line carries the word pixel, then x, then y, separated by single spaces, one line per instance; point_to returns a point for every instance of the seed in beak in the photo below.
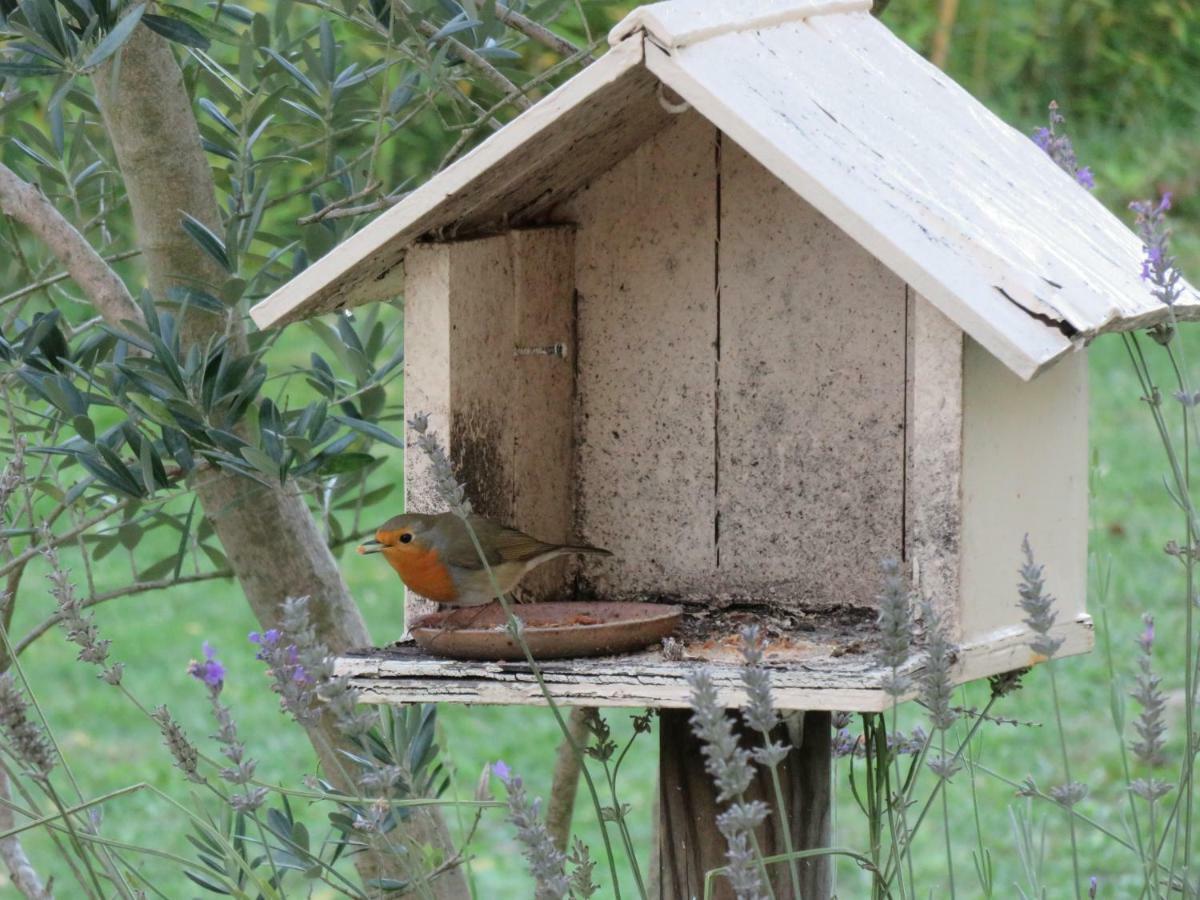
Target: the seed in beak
pixel 369 547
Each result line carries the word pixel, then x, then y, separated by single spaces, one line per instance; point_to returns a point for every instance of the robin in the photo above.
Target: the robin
pixel 435 557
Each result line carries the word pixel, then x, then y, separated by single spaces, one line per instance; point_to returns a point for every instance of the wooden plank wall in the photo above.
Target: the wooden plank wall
pixel 647 327
pixel 933 484
pixel 506 415
pixel 1025 471
pixel 741 384
pixel 812 397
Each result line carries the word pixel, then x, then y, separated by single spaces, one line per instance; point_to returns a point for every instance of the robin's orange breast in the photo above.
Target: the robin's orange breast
pixel 422 571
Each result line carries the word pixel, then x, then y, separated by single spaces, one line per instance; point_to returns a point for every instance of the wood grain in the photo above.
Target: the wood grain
pixel 401 674
pixel 689 843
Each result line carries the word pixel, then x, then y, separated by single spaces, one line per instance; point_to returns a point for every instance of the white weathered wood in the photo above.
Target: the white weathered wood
pixel 505 415
pixel 577 131
pixel 818 682
pixel 933 444
pixel 810 421
pixel 961 206
pixel 681 22
pixel 427 338
pixel 1024 471
pixel 647 320
pixel 543 395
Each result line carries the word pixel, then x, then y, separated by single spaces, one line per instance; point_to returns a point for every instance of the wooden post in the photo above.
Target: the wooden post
pixel 689 843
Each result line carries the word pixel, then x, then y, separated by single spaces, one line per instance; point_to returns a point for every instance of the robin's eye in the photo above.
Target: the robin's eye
pixel 405 538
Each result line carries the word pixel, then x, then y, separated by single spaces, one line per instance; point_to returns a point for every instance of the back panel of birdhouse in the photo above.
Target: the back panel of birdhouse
pixel 740 393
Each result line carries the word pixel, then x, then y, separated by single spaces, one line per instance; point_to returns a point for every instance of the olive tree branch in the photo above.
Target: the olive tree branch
pixel 29 206
pixel 535 31
pixel 52 280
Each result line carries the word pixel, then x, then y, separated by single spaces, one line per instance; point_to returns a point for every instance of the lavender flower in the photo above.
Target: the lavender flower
pixel 728 763
pixel 1058 147
pixel 1093 884
pixel 724 759
pixel 845 743
pixel 547 864
pixel 1159 266
pixel 1148 693
pixel 315 663
pixel 211 673
pixel 945 766
pixel 11 478
pixel 1069 794
pixel 186 757
pixel 449 488
pixel 760 710
pixel 296 689
pixel 909 745
pixel 895 628
pixel 1038 605
pixel 737 824
pixel 81 629
pixel 581 883
pixel 24 737
pixel 936 684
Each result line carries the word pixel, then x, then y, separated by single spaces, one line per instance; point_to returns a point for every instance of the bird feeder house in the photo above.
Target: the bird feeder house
pixel 756 301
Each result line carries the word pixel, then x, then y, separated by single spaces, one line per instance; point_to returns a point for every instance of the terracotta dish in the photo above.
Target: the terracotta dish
pixel 552 630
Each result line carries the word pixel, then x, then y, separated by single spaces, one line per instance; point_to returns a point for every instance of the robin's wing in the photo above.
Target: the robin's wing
pixel 502 545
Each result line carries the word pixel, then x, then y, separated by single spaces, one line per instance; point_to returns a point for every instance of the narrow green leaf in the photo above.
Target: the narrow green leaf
pixel 371 430
pixel 207 239
pixel 175 30
pixel 116 38
pixel 85 428
pixel 291 69
pixel 9 69
pixel 221 119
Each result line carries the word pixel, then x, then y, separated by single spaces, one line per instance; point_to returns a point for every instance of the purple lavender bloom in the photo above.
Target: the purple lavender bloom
pixel 1058 147
pixel 500 770
pixel 1093 884
pixel 211 671
pixel 1146 641
pixel 1158 265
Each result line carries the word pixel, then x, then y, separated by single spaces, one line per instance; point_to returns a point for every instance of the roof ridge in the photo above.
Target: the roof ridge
pixel 678 23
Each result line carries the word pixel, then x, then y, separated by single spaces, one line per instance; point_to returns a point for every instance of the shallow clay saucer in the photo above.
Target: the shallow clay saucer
pixel 552 630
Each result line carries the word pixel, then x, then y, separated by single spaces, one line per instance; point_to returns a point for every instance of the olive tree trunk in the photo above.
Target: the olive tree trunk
pixel 271 539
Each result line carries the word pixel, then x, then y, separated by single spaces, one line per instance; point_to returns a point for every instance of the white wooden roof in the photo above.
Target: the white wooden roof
pixel 964 208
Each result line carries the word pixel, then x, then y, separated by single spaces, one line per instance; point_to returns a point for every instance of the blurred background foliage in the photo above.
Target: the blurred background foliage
pixel 316 116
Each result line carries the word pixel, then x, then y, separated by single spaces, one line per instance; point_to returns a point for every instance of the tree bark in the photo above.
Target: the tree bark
pixel 947 14
pixel 29 206
pixel 560 808
pixel 21 872
pixel 690 844
pixel 272 541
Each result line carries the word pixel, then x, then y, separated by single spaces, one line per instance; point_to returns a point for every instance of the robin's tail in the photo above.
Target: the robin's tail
pixel 584 550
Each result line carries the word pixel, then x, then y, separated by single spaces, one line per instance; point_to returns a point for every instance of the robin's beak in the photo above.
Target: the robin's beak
pixel 371 546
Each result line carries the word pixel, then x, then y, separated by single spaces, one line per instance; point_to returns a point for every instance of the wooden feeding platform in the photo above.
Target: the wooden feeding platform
pixel 826 663
pixel 755 301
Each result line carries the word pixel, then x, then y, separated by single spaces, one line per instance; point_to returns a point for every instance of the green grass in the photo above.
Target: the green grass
pixel 110 744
